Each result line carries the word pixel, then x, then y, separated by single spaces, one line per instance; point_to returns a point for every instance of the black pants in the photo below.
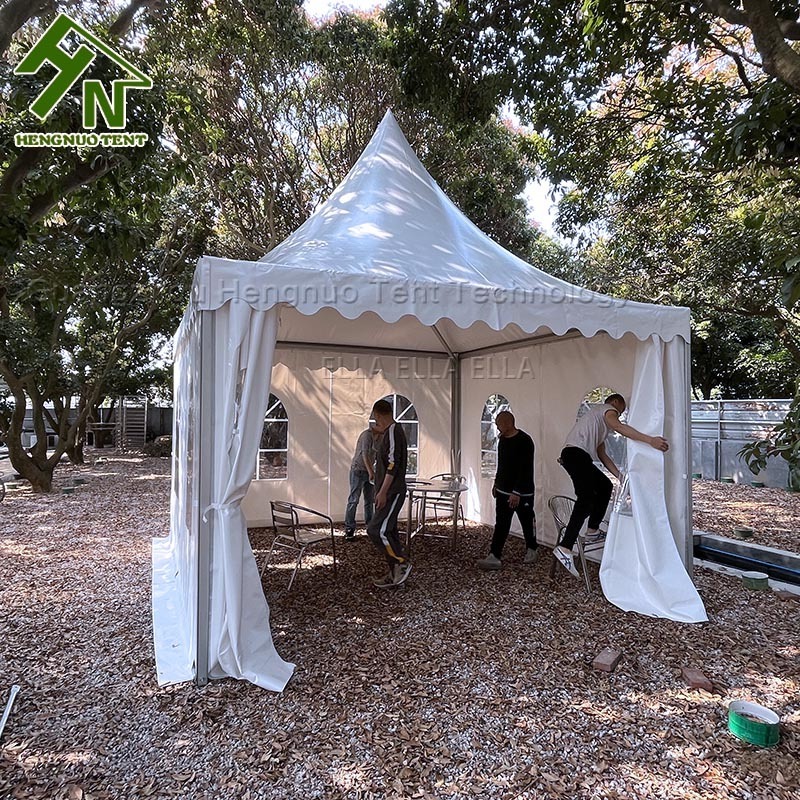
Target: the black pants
pixel 503 516
pixel 592 492
pixel 382 530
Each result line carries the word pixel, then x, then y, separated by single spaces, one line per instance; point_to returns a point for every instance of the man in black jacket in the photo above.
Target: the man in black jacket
pixel 390 485
pixel 512 490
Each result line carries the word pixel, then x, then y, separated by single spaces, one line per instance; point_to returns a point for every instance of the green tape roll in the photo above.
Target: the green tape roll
pixel 753 723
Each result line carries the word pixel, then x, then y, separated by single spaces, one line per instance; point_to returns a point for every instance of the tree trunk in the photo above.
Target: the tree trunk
pixel 75 452
pixel 40 476
pixel 14 14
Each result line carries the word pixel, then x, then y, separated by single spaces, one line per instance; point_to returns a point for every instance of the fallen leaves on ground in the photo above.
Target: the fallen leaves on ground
pixel 464 685
pixel 774 514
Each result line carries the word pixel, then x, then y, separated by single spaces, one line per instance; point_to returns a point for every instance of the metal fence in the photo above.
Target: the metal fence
pixel 158 423
pixel 719 430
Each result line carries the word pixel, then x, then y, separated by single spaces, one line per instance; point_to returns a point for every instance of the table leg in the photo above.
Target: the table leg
pixel 455 521
pixel 408 522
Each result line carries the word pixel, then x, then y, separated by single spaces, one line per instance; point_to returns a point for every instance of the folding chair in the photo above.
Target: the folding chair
pixel 561 508
pixel 443 501
pixel 292 536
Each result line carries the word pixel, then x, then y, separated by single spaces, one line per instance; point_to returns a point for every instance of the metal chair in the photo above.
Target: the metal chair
pixel 561 508
pixel 443 501
pixel 292 536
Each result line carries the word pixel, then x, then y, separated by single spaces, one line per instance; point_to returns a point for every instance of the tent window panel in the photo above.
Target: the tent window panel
pixel 273 451
pixel 489 436
pixel 404 412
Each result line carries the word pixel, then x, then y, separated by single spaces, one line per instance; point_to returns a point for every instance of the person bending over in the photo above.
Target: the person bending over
pixel 512 490
pixel 585 444
pixel 390 483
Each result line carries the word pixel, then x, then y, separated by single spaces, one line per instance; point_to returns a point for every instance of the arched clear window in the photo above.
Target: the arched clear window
pixel 273 450
pixel 493 406
pixel 404 412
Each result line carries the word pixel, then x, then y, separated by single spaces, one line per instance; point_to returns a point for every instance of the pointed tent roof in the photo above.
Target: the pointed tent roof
pixel 390 249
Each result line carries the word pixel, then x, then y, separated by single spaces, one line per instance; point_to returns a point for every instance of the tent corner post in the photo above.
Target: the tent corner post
pixel 455 414
pixel 688 554
pixel 205 521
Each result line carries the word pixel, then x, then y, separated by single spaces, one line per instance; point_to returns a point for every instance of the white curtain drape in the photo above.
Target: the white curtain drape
pixel 240 641
pixel 174 581
pixel 642 568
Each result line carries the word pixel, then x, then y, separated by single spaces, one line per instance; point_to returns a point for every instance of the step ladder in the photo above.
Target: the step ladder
pixel 131 432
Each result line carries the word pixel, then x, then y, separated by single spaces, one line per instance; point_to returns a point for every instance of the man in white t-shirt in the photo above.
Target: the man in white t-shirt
pixel 585 444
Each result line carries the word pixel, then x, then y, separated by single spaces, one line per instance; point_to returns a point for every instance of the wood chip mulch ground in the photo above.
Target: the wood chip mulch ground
pixel 465 685
pixel 773 513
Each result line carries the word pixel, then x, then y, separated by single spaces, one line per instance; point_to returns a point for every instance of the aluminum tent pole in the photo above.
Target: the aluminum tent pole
pixel 688 547
pixel 330 433
pixel 455 415
pixel 205 467
pixel 454 362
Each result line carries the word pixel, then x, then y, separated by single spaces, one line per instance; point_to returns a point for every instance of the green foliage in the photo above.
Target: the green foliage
pixel 675 152
pixel 85 297
pixel 97 246
pixel 289 107
pixel 783 442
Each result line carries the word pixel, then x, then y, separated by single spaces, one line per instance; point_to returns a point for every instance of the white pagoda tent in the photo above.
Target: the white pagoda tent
pixel 389 272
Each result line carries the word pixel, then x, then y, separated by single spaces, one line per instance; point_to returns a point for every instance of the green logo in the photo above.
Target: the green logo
pixel 70 67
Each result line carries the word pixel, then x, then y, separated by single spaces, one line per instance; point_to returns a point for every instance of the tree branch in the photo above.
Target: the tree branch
pixel 81 175
pixel 14 14
pixel 123 22
pixel 738 59
pixel 730 14
pixel 778 57
pixel 18 170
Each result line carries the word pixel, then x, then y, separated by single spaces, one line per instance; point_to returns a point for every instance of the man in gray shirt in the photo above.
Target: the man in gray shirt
pixel 362 479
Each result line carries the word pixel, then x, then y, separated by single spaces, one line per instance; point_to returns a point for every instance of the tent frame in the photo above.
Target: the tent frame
pixel 207 378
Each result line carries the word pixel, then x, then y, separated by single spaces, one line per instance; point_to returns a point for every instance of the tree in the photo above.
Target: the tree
pixel 289 106
pixel 725 247
pixel 90 269
pixel 673 132
pixel 265 111
pixel 84 302
pixel 35 180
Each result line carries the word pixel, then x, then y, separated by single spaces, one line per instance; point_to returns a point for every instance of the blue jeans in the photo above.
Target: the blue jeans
pixel 359 480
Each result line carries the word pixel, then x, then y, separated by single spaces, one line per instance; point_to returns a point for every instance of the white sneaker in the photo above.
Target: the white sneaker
pixel 596 537
pixel 564 557
pixel 530 556
pixel 384 581
pixel 490 562
pixel 401 573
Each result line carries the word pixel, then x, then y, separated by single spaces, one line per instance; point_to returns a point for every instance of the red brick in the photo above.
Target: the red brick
pixel 606 660
pixel 784 595
pixel 696 679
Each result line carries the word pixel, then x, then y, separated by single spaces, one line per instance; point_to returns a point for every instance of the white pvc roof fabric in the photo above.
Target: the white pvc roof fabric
pixel 389 246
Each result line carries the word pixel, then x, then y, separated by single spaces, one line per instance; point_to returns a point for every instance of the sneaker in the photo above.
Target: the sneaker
pixel 490 562
pixel 401 573
pixel 349 536
pixel 598 537
pixel 530 556
pixel 385 581
pixel 564 557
